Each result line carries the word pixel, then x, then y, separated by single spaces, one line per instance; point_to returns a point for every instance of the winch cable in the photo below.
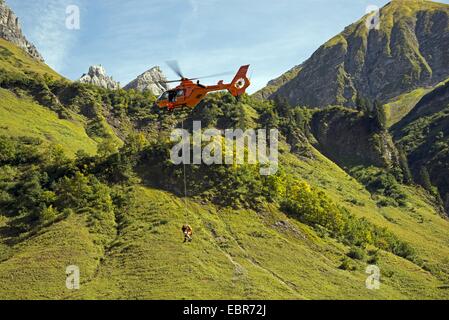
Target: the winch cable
pixel 185 181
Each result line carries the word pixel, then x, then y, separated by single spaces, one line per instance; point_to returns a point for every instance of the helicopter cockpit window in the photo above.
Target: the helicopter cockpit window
pixel 180 93
pixel 163 96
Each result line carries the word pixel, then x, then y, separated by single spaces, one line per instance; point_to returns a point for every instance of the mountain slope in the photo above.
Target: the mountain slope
pixel 350 139
pixel 423 134
pixel 14 59
pixel 398 107
pixel 237 254
pixel 24 117
pixel 275 84
pixel 408 51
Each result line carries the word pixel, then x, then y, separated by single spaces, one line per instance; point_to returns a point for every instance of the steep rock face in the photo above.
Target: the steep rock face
pixel 10 30
pixel 151 80
pixel 410 49
pixel 97 76
pixel 352 139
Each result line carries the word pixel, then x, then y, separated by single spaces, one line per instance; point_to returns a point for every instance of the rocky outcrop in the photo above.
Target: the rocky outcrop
pixel 351 139
pixel 152 80
pixel 408 49
pixel 98 77
pixel 10 30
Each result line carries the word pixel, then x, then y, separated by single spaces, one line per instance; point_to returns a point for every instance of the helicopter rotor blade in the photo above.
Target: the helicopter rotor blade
pixel 192 79
pixel 174 65
pixel 214 75
pixel 168 81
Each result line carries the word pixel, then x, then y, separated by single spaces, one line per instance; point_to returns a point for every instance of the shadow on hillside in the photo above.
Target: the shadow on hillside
pixel 12 232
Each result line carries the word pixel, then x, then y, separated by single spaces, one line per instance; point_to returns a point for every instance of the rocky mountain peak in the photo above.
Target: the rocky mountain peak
pixel 407 49
pixel 97 76
pixel 11 31
pixel 151 80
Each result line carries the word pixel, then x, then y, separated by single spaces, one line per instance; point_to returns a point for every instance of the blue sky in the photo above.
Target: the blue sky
pixel 205 36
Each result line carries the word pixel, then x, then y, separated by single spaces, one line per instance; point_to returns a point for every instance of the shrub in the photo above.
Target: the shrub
pixel 356 253
pixel 381 182
pixel 48 214
pixel 7 149
pixel 347 265
pixel 237 185
pixel 373 258
pixel 314 208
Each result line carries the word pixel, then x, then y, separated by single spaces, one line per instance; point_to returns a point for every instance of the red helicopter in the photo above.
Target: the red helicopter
pixel 190 94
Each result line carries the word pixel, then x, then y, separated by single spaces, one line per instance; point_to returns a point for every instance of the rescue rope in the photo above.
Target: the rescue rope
pixel 185 182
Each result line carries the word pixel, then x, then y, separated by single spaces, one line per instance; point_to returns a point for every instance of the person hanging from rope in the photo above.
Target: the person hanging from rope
pixel 187 230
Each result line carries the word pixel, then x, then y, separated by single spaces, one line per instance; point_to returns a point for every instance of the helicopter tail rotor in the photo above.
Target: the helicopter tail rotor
pixel 240 82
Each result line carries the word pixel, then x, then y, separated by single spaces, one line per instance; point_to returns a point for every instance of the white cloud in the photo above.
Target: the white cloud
pixel 50 33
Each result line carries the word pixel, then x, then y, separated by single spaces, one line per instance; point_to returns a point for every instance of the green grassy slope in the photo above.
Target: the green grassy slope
pixel 24 117
pixel 238 254
pixel 30 108
pixel 14 59
pixel 423 134
pixel 417 223
pixel 35 268
pixel 399 107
